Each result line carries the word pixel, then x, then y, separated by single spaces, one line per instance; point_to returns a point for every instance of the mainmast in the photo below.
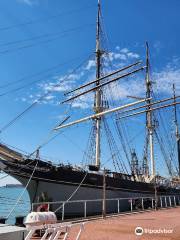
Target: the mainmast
pixel 177 129
pixel 98 93
pixel 149 123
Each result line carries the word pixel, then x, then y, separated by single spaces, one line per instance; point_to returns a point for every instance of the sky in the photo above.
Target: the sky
pixel 44 43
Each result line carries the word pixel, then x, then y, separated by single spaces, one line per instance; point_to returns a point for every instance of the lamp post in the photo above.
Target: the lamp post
pixel 104 194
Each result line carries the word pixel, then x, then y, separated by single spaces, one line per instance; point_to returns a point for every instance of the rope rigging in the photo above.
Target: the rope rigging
pixel 59 35
pixel 73 193
pixel 121 127
pixel 4 176
pixel 168 142
pixel 40 73
pixel 50 136
pixel 40 99
pixel 35 21
pixel 167 161
pixel 22 193
pixel 165 143
pixel 90 156
pixel 114 149
pixel 121 132
pixel 145 157
pixel 123 137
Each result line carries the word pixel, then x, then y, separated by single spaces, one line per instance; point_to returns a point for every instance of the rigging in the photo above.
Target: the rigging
pixel 38 100
pixel 34 21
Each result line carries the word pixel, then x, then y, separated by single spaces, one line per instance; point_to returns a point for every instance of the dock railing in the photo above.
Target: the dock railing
pixel 88 208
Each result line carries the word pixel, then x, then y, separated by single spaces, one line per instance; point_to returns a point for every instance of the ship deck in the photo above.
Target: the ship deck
pixel 165 221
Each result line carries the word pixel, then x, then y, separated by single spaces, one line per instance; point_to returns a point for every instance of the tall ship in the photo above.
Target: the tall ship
pixel 129 177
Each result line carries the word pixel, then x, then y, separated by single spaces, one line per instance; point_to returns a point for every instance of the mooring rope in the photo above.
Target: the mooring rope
pixel 72 193
pixel 22 193
pixel 4 176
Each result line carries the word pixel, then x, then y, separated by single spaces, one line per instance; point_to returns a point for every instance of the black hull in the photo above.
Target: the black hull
pixel 58 184
pixel 66 176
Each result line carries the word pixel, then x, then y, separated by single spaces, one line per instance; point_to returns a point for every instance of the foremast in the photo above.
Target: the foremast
pixel 149 119
pixel 98 92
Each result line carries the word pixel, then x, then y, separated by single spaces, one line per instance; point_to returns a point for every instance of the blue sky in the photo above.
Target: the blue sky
pixel 42 41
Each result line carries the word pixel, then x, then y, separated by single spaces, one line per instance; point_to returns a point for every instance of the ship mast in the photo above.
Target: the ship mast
pixel 177 129
pixel 149 123
pixel 100 111
pixel 98 93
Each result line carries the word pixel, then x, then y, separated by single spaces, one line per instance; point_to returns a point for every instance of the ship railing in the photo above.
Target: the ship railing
pixel 91 207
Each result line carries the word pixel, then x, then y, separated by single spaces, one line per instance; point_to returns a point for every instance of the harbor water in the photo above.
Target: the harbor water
pixel 8 199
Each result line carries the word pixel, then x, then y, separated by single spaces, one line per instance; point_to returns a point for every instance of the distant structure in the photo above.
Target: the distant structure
pixel 14 185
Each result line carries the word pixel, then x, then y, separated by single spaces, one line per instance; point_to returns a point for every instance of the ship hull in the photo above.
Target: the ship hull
pixel 58 192
pixel 66 187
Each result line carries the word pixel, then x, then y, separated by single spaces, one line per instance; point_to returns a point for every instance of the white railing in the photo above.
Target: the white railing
pixel 116 205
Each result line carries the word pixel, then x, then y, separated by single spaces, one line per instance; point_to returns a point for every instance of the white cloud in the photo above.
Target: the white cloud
pixel 23 99
pixel 164 79
pixel 157 46
pixel 59 117
pixel 132 55
pixel 62 83
pixel 79 104
pixel 90 65
pixel 124 50
pixel 51 87
pixel 162 83
pixel 28 2
pixel 131 86
pixel 84 102
pixel 117 48
pixel 115 56
pixel 50 97
pixel 120 57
